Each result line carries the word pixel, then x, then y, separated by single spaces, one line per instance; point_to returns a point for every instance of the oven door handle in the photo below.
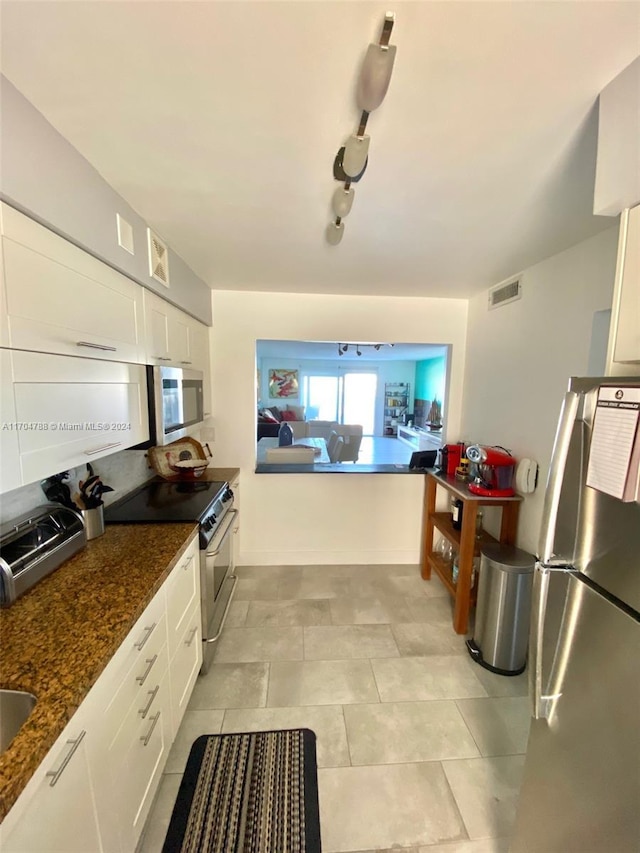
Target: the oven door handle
pixel 219 538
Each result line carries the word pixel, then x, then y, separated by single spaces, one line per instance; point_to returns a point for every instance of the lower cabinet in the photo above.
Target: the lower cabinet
pixel 57 812
pixel 110 757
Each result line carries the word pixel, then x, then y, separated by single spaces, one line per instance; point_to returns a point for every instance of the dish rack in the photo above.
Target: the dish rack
pixel 164 460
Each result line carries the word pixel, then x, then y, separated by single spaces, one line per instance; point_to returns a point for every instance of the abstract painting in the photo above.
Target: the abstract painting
pixel 283 383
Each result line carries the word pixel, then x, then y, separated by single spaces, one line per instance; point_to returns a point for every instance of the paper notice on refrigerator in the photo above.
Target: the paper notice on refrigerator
pixel 614 456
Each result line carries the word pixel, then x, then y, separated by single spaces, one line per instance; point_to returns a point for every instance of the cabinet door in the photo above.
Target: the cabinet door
pixel 78 410
pixel 56 812
pixel 627 343
pixel 199 339
pixel 179 337
pixel 10 473
pixel 60 299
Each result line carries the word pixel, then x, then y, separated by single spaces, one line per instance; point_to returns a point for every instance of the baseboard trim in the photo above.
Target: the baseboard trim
pixel 328 558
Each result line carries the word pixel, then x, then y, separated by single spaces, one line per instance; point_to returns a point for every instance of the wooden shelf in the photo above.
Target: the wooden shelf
pixel 464 540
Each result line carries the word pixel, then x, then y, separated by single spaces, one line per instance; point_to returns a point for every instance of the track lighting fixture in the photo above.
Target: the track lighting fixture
pixel 342 348
pixel 352 158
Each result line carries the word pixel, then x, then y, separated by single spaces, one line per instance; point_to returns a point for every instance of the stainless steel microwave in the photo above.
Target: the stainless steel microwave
pixel 175 402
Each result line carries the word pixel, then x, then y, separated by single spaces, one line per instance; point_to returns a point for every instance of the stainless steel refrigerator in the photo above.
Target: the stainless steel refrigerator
pixel 581 788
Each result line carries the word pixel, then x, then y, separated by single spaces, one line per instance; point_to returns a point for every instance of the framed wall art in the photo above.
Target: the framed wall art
pixel 283 383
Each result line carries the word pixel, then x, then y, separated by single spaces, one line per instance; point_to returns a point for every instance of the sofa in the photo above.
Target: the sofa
pixel 270 418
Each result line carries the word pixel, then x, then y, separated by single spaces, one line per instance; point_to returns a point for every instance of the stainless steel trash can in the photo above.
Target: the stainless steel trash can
pixel 503 611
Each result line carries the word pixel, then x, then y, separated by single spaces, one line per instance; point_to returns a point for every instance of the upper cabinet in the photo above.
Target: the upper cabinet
pixel 617 184
pixel 175 338
pixel 57 298
pixel 623 354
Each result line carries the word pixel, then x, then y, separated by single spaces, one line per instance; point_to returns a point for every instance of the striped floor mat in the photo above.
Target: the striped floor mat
pixel 255 792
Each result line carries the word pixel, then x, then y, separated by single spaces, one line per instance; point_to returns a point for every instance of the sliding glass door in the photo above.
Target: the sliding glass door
pixel 347 398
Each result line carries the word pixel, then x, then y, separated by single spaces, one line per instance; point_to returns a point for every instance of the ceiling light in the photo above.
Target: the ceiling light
pixel 351 161
pixel 356 152
pixel 375 76
pixel 335 231
pixel 342 201
pixel 358 349
pixel 340 349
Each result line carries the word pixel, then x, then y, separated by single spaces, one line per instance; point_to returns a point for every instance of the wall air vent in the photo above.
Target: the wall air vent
pixel 507 291
pixel 158 258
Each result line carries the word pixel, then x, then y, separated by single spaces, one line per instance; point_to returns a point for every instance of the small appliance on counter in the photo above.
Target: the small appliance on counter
pixel 494 471
pixel 34 545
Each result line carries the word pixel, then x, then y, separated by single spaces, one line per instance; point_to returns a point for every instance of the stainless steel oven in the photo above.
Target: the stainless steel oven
pixel 217 582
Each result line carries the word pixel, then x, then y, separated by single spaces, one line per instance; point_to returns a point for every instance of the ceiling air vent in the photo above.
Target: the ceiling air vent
pixel 506 292
pixel 158 258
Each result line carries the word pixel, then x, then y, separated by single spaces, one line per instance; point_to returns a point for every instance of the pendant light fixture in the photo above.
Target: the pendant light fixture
pixel 351 160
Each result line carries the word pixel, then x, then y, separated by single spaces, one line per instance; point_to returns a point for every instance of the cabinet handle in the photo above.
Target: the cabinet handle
pixel 95 346
pixel 146 738
pixel 56 774
pixel 152 693
pixel 187 564
pixel 147 633
pixel 162 357
pixel 194 631
pixel 100 449
pixel 142 678
pixel 186 362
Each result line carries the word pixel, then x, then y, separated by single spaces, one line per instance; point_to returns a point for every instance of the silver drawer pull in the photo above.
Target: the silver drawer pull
pixel 95 346
pixel 142 678
pixel 146 738
pixel 194 631
pixel 147 634
pixel 152 693
pixel 186 362
pixel 162 357
pixel 188 563
pixel 56 774
pixel 100 449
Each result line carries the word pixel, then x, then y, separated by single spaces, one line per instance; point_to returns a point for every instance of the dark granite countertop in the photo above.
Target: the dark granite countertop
pixel 58 637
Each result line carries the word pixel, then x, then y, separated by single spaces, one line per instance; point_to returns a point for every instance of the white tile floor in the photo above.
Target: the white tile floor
pixel 419 749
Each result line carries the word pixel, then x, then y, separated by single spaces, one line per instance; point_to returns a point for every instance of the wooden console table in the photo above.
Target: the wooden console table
pixel 463 540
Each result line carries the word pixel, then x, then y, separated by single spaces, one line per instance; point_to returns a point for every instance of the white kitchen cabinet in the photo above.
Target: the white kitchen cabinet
pixel 200 355
pixel 167 332
pixel 60 299
pixel 57 811
pixel 10 473
pixel 184 629
pixel 623 354
pixel 116 745
pixel 69 411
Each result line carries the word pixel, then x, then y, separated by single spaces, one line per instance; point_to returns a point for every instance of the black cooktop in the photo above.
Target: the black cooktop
pixel 157 501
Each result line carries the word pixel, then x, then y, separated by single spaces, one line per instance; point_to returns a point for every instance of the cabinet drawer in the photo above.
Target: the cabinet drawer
pixel 183 591
pixel 45 275
pixel 185 665
pixel 138 757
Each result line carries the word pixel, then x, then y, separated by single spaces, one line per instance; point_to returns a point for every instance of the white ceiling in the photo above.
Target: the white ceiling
pixel 219 121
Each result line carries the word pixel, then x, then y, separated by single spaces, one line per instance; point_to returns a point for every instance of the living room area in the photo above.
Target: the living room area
pixel 349 405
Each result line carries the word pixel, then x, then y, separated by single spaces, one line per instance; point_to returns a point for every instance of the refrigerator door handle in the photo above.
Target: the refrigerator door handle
pixel 555 479
pixel 540 594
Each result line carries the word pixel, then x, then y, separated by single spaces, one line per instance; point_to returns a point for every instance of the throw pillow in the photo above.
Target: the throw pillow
pixel 288 416
pixel 298 412
pixel 275 411
pixel 267 416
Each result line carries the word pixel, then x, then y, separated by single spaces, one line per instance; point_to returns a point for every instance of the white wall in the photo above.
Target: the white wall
pixel 520 357
pixel 321 518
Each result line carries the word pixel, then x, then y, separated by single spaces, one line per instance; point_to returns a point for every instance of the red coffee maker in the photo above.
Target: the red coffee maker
pixel 494 468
